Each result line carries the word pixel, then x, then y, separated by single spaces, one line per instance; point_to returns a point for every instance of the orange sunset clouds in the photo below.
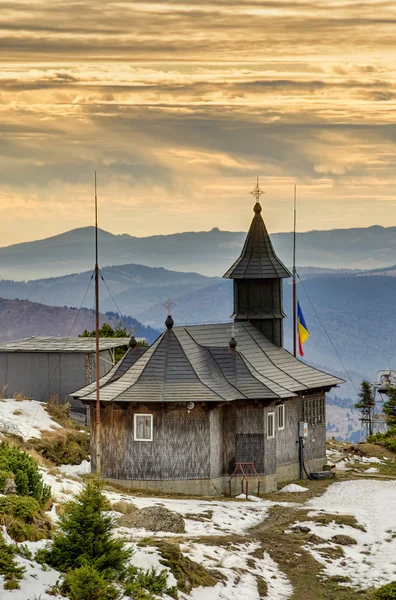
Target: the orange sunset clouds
pixel 179 105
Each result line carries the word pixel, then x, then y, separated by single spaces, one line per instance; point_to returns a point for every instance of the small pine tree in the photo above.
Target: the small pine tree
pixel 390 407
pixel 84 536
pixel 366 403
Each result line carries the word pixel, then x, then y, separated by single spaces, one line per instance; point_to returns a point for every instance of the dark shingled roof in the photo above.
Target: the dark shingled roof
pixel 196 363
pixel 258 259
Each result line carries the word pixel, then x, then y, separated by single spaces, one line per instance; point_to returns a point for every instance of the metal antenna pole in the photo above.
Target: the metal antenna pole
pixel 98 421
pixel 294 276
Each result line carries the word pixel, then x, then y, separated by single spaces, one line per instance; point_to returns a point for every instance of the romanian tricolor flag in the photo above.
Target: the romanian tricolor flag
pixel 303 333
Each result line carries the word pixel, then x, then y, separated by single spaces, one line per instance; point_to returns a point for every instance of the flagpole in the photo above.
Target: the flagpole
pixel 97 411
pixel 294 276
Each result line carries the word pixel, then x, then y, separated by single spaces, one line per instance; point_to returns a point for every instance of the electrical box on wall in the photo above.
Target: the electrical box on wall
pixel 302 429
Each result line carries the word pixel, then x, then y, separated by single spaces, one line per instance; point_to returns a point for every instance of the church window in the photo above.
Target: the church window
pixel 270 425
pixel 143 428
pixel 281 416
pixel 314 411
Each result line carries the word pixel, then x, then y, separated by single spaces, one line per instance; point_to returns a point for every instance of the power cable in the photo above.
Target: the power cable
pixel 68 336
pixel 115 303
pixel 327 334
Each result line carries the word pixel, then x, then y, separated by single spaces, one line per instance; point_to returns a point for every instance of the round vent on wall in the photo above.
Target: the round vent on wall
pixel 190 405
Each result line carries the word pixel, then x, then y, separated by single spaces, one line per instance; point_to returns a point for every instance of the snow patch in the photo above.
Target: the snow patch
pixel 372 560
pixel 35 581
pixel 26 418
pixel 293 487
pixel 75 470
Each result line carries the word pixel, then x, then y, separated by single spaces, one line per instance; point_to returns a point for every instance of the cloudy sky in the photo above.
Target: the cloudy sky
pixel 180 105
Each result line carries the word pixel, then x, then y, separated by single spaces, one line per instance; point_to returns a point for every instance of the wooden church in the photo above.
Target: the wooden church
pixel 177 416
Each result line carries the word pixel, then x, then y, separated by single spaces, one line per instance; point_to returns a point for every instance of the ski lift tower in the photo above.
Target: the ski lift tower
pixel 383 380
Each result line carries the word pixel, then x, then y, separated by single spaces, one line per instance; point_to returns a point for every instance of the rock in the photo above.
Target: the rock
pixel 301 529
pixel 343 540
pixel 154 518
pixel 10 487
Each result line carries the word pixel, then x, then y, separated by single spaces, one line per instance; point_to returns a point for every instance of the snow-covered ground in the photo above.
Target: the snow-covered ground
pixel 227 518
pixel 241 569
pixel 36 579
pixel 372 560
pixel 26 418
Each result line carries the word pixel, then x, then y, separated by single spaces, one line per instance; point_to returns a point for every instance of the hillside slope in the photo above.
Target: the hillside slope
pixel 229 548
pixel 207 252
pixel 21 318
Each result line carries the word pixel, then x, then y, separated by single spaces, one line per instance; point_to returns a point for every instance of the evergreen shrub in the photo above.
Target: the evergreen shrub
pixel 8 566
pixel 28 480
pixel 23 519
pixel 387 439
pixel 138 582
pixel 86 583
pixel 386 592
pixel 4 476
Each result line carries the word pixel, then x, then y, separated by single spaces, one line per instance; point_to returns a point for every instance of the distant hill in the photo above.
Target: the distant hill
pixel 133 289
pixel 356 310
pixel 207 252
pixel 21 318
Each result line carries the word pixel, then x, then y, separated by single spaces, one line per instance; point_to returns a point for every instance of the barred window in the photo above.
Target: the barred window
pixel 314 411
pixel 143 428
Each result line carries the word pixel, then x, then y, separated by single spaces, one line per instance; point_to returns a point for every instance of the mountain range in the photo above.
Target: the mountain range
pixel 22 318
pixel 354 311
pixel 207 252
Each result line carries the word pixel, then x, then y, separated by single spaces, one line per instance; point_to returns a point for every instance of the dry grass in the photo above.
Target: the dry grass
pixel 262 587
pixel 125 508
pixel 62 446
pixel 342 520
pixel 187 573
pixel 18 397
pixel 3 392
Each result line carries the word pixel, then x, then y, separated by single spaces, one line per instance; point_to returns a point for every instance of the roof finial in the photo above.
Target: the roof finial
pixel 233 330
pixel 257 192
pixel 169 304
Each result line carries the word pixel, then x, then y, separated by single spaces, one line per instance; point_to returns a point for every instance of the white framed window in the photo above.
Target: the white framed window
pixel 281 416
pixel 143 428
pixel 271 425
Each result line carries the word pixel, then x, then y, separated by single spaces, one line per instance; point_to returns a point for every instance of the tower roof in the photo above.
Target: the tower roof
pixel 258 259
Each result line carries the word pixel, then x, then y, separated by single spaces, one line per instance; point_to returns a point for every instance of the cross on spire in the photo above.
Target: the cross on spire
pixel 233 330
pixel 169 305
pixel 257 192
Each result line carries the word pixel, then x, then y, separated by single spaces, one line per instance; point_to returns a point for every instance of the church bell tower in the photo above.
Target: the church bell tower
pixel 257 276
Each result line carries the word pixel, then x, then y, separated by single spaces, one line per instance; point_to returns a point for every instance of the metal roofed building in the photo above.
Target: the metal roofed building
pixel 204 397
pixel 39 367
